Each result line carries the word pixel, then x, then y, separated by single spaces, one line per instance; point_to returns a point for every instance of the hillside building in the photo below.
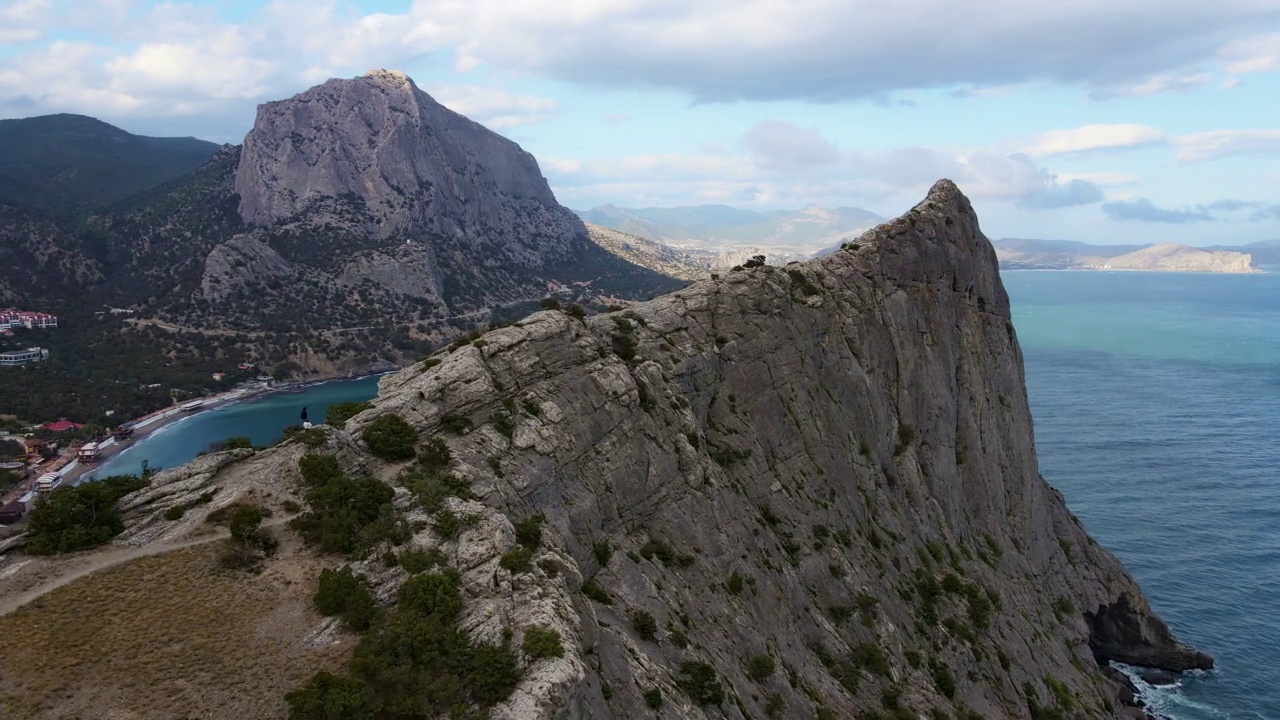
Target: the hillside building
pixel 14 358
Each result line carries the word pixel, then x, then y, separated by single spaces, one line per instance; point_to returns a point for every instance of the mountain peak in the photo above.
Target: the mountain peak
pixel 395 78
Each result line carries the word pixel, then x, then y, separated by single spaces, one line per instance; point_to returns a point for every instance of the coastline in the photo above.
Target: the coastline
pixel 161 420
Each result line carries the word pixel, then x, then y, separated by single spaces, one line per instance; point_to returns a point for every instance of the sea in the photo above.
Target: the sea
pixel 1156 400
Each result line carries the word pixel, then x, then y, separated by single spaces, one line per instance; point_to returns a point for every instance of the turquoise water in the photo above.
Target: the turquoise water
pixel 262 420
pixel 1156 399
pixel 1157 405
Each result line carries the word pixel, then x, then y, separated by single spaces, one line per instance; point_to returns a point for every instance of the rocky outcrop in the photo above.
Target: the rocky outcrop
pixel 829 464
pixel 1169 257
pixel 239 262
pixel 415 166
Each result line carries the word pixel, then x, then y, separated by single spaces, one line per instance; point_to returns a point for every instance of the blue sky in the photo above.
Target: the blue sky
pixel 1137 121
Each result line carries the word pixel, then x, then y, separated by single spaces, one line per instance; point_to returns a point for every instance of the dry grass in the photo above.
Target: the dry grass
pixel 166 636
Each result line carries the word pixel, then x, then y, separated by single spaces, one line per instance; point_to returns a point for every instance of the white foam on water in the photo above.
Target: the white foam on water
pixel 1169 700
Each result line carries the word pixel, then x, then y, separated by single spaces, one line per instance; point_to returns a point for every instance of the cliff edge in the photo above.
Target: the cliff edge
pixel 830 464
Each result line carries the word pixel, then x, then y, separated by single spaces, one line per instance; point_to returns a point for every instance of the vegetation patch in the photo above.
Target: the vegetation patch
pixel 540 642
pixel 391 438
pixel 339 413
pixel 699 680
pixel 346 593
pixel 414 662
pixel 75 518
pixel 340 508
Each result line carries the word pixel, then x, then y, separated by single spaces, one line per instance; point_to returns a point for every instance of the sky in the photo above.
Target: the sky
pixel 1096 120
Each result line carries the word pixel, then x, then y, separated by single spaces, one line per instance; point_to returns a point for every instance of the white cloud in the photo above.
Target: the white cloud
pixel 492 107
pixel 1092 137
pixel 778 145
pixel 1260 53
pixel 1204 146
pixel 716 50
pixel 1109 179
pixel 1155 85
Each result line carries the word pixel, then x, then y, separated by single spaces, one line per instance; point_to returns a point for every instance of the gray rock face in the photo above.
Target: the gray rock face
pixel 830 464
pixel 239 261
pixel 416 165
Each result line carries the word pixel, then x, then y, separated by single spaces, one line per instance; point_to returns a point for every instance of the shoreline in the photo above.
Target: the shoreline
pixel 74 472
pixel 153 424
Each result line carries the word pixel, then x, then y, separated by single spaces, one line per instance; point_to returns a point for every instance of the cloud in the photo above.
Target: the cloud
pixel 1143 210
pixel 1260 53
pixel 1154 85
pixel 1070 194
pixel 492 107
pixel 1093 137
pixel 716 50
pixel 1204 146
pixel 781 146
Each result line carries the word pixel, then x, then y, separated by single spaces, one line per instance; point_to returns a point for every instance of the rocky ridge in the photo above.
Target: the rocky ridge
pixel 784 492
pixel 831 464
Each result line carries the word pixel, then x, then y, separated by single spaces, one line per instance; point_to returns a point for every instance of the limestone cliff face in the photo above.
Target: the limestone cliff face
pixel 831 464
pixel 415 164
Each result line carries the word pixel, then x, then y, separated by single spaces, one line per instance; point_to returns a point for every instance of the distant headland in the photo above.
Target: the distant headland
pixel 1026 254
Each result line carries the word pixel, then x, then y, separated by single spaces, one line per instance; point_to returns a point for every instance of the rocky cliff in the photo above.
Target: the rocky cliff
pixel 829 465
pixel 807 491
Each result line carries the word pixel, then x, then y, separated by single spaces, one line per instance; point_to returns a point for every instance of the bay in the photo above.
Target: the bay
pixel 262 420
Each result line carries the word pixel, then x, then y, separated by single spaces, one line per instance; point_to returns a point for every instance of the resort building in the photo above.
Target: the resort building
pixel 10 318
pixel 13 358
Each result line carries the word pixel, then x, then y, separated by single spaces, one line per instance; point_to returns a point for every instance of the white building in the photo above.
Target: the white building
pixel 13 358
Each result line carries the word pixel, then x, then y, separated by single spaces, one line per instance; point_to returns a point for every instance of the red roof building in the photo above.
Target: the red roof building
pixel 63 426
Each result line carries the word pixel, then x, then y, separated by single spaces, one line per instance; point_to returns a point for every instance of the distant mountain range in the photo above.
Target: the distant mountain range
pixel 72 163
pixel 781 234
pixel 1022 253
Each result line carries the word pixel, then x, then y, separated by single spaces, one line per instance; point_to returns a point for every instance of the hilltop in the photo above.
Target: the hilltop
pixel 71 164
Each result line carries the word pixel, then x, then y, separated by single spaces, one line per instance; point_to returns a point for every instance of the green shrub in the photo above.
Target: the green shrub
pixel 175 513
pixel 340 509
pixel 390 438
pixel 290 506
pixel 319 469
pixel 456 424
pixel 529 531
pixel 734 586
pixel 418 562
pixel 550 303
pixel 431 487
pixel 431 362
pixel 347 594
pixel 431 595
pixel 504 425
pixel 653 698
pixel 339 413
pixel 1063 607
pixel 517 560
pixel 415 662
pixel 592 589
pixel 699 680
pixel 435 454
pixel 870 658
pixel 646 627
pixel 760 667
pixel 540 642
pixel 576 311
pixel 603 552
pixel 942 678
pixel 449 525
pixel 331 697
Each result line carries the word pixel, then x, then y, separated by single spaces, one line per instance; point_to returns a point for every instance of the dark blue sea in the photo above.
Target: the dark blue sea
pixel 1157 407
pixel 1156 400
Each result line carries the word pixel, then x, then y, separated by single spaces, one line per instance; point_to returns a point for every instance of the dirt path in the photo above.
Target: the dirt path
pixel 98 560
